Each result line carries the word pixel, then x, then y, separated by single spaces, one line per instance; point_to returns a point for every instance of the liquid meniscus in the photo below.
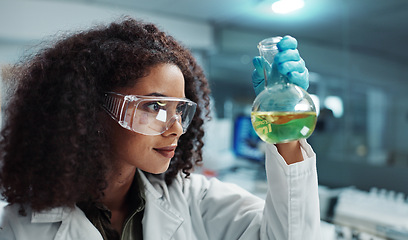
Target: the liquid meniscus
pixel 279 127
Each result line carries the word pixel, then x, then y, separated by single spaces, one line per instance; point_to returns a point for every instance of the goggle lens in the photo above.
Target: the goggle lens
pixel 149 115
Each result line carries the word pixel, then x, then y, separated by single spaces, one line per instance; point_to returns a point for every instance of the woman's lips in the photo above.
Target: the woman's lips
pixel 167 152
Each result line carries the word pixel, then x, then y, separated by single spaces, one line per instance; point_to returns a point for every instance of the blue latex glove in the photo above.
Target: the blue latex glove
pixel 288 62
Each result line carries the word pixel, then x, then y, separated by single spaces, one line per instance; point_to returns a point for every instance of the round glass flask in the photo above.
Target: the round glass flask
pixel 283 111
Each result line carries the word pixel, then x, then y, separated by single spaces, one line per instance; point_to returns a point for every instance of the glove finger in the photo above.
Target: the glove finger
pixel 300 79
pixel 287 42
pixel 291 66
pixel 258 64
pixel 287 55
pixel 257 79
pixel 258 82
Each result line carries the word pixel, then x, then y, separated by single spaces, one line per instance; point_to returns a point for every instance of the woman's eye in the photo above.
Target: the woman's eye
pixel 155 106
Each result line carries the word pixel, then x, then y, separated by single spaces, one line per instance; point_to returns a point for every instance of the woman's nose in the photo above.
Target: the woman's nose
pixel 174 127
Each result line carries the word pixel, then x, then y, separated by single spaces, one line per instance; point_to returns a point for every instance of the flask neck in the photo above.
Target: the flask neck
pixel 272 75
pixel 268 49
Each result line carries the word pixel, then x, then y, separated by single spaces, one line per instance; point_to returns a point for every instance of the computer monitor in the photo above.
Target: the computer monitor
pixel 246 143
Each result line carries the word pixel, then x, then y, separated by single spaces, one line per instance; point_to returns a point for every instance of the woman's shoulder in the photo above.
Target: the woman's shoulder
pixel 24 214
pixel 202 186
pixel 12 219
pixel 195 180
pixel 9 212
pixel 14 225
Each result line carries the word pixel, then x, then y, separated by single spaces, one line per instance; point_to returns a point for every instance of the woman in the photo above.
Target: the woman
pixel 101 137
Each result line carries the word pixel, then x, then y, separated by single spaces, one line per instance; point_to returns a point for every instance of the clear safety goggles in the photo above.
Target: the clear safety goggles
pixel 149 115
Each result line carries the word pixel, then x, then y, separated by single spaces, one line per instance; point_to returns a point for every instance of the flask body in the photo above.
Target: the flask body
pixel 283 111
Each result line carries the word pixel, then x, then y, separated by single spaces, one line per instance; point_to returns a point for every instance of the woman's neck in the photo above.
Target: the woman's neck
pixel 119 182
pixel 116 195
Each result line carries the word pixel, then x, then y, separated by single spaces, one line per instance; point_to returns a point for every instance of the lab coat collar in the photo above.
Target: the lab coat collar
pixel 51 216
pixel 74 223
pixel 160 220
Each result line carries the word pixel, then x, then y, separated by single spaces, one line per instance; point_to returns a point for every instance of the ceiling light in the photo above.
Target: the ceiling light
pixel 287 6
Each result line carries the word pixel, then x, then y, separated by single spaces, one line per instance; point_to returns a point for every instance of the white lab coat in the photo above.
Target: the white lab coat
pixel 198 208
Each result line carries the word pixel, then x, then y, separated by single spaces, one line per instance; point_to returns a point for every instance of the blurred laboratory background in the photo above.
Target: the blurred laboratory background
pixel 355 51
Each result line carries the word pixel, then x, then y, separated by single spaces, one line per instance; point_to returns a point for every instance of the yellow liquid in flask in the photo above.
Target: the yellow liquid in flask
pixel 280 127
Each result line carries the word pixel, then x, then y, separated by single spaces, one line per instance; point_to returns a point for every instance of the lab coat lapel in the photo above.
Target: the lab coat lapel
pixel 160 220
pixel 74 224
pixel 77 226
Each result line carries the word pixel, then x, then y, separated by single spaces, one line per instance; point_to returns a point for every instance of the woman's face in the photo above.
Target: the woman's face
pixel 149 153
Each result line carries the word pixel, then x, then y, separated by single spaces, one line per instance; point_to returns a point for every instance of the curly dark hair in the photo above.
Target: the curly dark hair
pixel 53 148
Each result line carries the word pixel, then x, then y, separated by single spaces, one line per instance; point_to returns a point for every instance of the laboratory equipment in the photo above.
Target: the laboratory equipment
pixel 380 212
pixel 246 143
pixel 283 111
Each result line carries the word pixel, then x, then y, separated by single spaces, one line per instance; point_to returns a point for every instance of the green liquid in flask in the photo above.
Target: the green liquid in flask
pixel 280 127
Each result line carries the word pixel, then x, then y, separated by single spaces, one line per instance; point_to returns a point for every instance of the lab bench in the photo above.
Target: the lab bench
pixel 346 213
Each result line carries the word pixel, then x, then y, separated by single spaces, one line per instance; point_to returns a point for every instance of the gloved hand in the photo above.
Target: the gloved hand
pixel 287 61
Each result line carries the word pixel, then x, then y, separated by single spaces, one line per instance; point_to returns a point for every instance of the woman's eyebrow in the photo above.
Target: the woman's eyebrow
pixel 156 94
